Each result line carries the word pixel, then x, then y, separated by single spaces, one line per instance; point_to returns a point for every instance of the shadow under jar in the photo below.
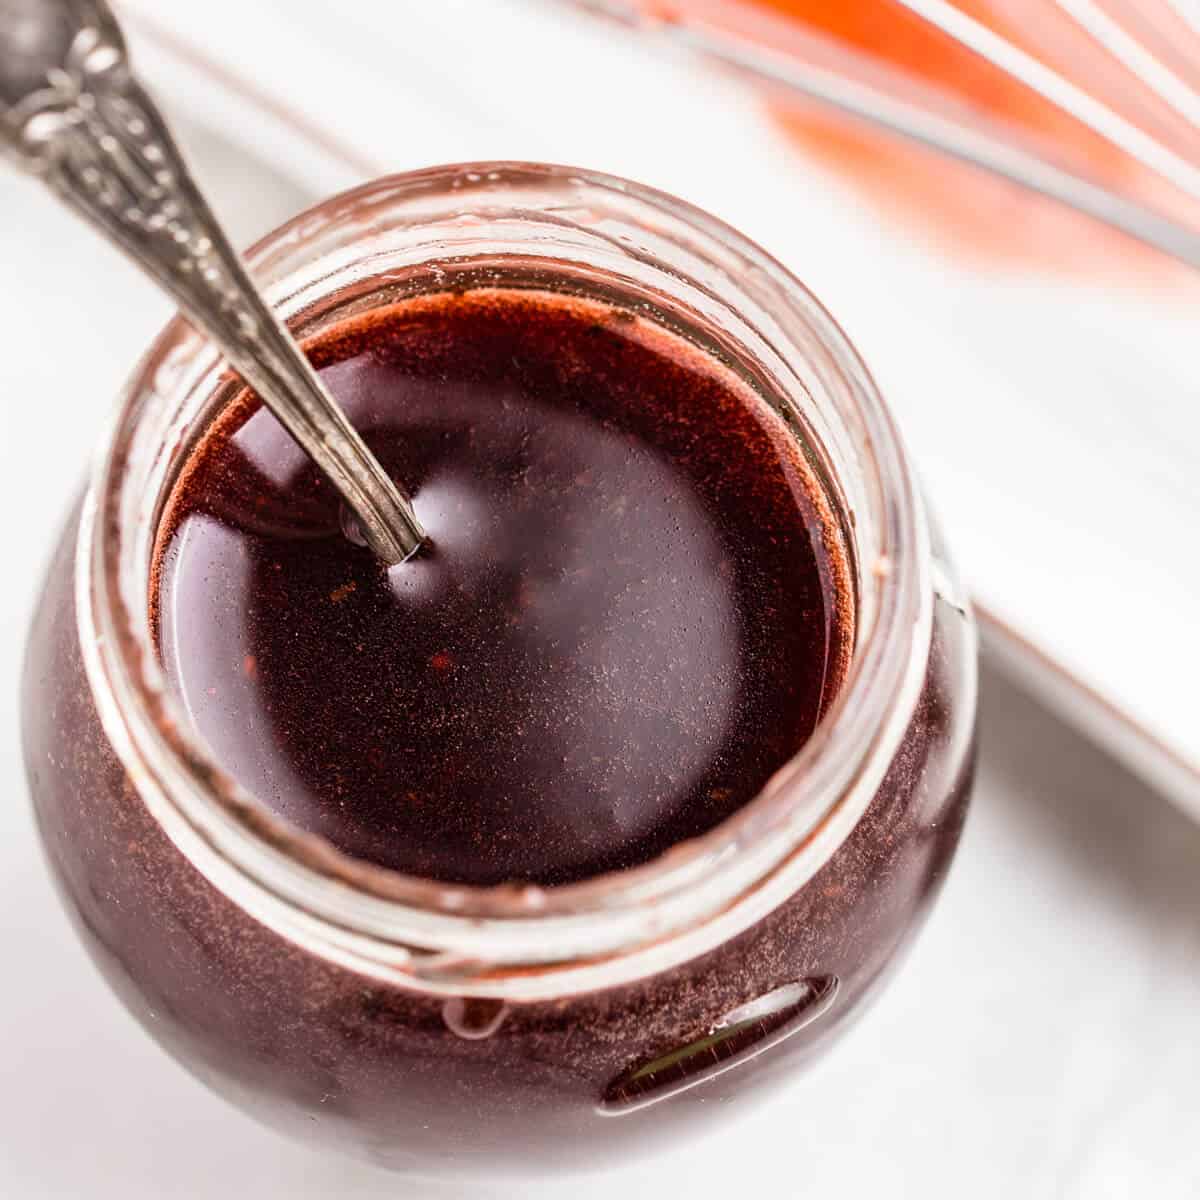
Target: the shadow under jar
pixel 429 1021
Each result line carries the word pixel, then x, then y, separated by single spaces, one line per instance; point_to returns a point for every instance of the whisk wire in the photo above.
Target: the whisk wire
pixel 1059 91
pixel 807 61
pixel 1135 56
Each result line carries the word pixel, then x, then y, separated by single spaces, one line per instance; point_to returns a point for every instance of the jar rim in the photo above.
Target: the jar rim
pixel 510 940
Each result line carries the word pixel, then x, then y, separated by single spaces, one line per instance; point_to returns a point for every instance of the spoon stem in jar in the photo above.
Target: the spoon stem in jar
pixel 73 114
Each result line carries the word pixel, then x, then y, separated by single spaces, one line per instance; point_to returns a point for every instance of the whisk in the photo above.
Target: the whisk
pixel 1124 74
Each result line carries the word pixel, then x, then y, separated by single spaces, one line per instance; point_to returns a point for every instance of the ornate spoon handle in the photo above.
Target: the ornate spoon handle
pixel 72 113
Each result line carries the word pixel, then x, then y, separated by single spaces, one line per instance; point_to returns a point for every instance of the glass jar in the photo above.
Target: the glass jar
pixel 448 1029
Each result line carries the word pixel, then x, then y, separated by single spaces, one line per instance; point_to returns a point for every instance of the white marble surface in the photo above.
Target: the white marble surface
pixel 1041 1042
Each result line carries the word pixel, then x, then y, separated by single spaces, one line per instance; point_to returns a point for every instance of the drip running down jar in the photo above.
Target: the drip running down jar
pixel 605 897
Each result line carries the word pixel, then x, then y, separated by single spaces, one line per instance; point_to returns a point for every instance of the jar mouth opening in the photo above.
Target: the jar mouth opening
pixel 300 880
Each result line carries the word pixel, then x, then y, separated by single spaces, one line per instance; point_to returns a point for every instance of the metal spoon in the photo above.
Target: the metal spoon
pixel 73 114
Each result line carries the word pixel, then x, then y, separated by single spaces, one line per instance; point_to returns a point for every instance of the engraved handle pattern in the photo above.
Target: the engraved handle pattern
pixel 72 113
